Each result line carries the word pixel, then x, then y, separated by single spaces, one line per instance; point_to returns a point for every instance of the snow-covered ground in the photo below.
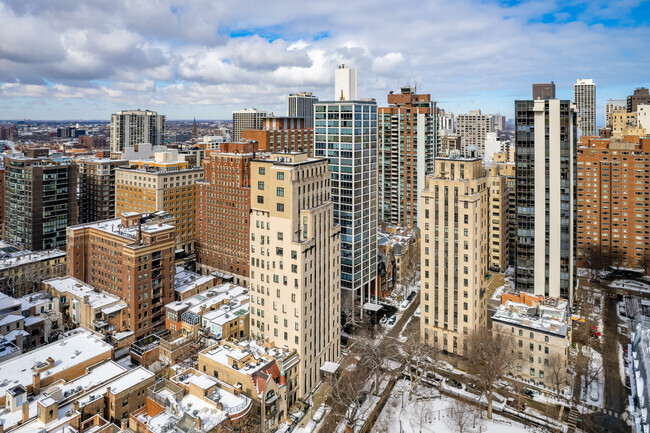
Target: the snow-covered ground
pixel 594 395
pixel 430 412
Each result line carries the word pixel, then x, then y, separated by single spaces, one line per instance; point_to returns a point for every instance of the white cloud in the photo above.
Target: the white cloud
pixel 116 52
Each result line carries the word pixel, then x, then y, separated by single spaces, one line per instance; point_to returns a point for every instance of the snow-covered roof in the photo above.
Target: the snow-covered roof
pixel 30 257
pixel 118 385
pixel 186 280
pixel 79 289
pixel 215 295
pixel 67 353
pixel 9 319
pixel 550 318
pixel 35 299
pixel 95 376
pixel 115 227
pixel 8 303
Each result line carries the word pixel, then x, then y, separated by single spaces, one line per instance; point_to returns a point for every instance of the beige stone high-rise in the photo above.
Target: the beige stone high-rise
pixel 498 212
pixel 295 252
pixel 454 255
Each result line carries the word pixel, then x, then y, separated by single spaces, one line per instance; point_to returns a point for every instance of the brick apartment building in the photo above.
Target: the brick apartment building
pixel 222 211
pixel 131 257
pixel 280 133
pixel 613 201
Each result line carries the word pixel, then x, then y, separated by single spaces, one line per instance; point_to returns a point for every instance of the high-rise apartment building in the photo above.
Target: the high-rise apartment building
pixel 162 184
pixel 498 196
pixel 295 261
pixel 613 217
pixel 454 253
pixel 585 99
pixel 506 165
pixel 472 128
pixel 345 131
pixel 132 127
pixel 281 133
pixel 407 140
pixel 97 187
pixel 40 199
pixel 640 96
pixel 131 257
pixel 222 211
pixel 345 84
pixel 544 91
pixel 248 118
pixel 546 174
pixel 302 105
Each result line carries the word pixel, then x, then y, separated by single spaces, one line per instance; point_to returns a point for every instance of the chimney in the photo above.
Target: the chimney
pixel 36 383
pixel 122 425
pixel 25 409
pixel 2 427
pixel 197 421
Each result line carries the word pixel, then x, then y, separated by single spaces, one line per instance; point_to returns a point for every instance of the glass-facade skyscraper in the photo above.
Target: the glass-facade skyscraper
pixel 345 132
pixel 545 162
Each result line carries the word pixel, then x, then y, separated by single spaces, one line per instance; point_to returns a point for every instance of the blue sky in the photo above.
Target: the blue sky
pixel 64 59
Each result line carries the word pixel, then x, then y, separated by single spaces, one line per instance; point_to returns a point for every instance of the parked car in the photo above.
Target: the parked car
pixel 411 296
pixel 529 392
pixel 513 404
pixel 392 320
pixel 594 331
pixel 418 311
pixel 405 303
pixel 454 383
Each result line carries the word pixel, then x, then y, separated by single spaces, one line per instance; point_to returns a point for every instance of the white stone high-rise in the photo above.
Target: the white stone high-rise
pixel 132 127
pixel 345 131
pixel 585 99
pixel 302 105
pixel 345 84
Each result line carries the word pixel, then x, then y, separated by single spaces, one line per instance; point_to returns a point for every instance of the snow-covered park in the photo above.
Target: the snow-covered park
pixel 432 412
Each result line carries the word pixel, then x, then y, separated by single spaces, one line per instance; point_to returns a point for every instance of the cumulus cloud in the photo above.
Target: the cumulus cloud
pixel 214 57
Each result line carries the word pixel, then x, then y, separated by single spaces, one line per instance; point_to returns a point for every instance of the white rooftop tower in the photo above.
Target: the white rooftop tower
pixel 345 84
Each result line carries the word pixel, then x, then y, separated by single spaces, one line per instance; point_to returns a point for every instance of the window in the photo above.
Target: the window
pixel 280 236
pixel 260 185
pixel 280 207
pixel 280 191
pixel 280 175
pixel 260 199
pixel 262 170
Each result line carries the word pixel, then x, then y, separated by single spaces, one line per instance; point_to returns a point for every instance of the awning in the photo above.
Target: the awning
pixel 372 307
pixel 330 367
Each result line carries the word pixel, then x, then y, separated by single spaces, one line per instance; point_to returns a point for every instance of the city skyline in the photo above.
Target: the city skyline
pixel 191 60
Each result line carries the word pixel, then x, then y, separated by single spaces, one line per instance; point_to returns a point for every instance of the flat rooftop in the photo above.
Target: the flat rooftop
pixel 18 259
pixel 115 227
pixel 79 289
pixel 67 353
pixel 215 295
pixel 185 280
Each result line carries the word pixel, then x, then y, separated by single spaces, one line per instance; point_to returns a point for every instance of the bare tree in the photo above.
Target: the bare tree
pixel 589 370
pixel 418 358
pixel 489 355
pixel 461 415
pixel 373 355
pixel 557 372
pixel 346 397
pixel 593 258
